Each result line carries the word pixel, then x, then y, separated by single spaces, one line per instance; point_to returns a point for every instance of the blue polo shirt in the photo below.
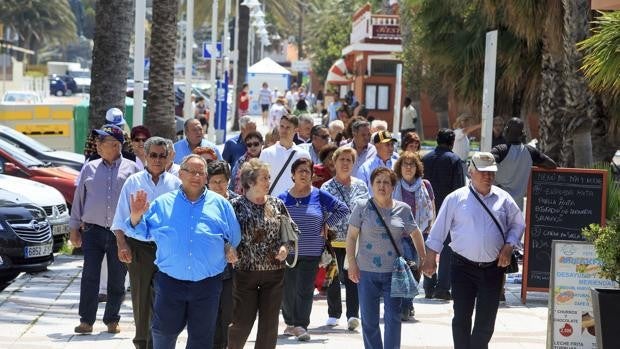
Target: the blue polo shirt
pixel 234 148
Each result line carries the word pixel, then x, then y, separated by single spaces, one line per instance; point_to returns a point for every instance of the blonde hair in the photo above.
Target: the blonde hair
pixel 462 119
pixel 249 172
pixel 344 150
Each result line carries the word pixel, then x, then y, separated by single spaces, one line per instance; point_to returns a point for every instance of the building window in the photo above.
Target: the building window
pixel 377 97
pixel 383 67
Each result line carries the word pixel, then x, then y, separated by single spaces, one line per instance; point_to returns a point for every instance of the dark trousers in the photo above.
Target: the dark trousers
pixel 440 280
pixel 299 291
pixel 224 315
pixel 142 270
pixel 96 242
pixel 178 303
pixel 256 291
pixel 334 297
pixel 479 287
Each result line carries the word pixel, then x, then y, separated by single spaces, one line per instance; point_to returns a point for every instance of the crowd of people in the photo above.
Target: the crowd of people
pixel 199 232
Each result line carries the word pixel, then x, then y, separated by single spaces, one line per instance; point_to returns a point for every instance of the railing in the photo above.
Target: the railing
pixel 369 26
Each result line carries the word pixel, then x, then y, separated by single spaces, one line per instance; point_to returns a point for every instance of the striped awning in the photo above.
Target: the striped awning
pixel 337 73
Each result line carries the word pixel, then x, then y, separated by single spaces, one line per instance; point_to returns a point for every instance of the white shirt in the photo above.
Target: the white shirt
pixel 276 112
pixel 461 144
pixel 276 155
pixel 474 234
pixel 141 181
pixel 410 116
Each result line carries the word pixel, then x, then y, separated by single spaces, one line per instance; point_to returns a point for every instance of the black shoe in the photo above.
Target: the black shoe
pixel 102 298
pixel 404 315
pixel 428 293
pixel 442 294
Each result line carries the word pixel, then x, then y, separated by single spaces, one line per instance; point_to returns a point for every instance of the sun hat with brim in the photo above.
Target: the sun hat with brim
pixel 484 162
pixel 110 130
pixel 383 137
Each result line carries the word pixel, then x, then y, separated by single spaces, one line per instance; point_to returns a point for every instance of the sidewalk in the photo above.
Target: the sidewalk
pixel 40 311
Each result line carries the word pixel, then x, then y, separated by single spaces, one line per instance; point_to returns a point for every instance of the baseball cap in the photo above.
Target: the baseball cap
pixel 484 161
pixel 114 116
pixel 383 137
pixel 110 130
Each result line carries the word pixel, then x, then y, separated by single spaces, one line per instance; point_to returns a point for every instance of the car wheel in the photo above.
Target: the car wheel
pixel 7 277
pixel 59 93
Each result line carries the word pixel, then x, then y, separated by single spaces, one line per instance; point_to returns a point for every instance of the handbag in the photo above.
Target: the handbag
pixel 513 267
pixel 287 233
pixel 403 283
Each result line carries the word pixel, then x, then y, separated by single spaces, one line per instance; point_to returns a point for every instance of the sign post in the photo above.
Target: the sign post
pixel 488 91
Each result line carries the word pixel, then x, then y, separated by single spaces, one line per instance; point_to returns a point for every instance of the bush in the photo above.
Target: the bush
pixel 606 242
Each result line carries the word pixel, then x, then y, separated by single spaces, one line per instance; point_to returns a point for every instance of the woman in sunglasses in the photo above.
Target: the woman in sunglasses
pixel 254 144
pixel 139 135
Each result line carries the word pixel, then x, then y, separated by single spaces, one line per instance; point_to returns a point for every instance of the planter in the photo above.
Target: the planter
pixel 606 306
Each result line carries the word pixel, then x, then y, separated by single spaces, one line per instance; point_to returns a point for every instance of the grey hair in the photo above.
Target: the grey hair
pixel 169 145
pixel 186 159
pixel 244 121
pixel 157 141
pixel 248 174
pixel 306 118
pixel 359 124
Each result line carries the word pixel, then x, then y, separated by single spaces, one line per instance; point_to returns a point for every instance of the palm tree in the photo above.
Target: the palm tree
pixel 113 23
pixel 159 116
pixel 39 22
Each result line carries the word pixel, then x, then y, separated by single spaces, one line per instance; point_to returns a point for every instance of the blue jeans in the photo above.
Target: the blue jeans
pixel 96 242
pixel 371 288
pixel 178 303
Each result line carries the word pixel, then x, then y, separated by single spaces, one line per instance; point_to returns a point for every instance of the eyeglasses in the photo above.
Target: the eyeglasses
pixel 194 173
pixel 139 139
pixel 253 144
pixel 158 155
pixel 408 164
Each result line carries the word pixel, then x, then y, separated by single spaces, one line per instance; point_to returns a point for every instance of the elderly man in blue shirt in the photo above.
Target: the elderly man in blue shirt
pixel 136 252
pixel 384 157
pixel 235 147
pixel 196 233
pixel 482 247
pixel 194 137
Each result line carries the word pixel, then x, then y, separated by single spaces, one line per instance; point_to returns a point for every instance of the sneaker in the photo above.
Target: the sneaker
pixel 353 323
pixel 113 327
pixel 83 328
pixel 102 298
pixel 288 331
pixel 301 334
pixel 331 321
pixel 442 294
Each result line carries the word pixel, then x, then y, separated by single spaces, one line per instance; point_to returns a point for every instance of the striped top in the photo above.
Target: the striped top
pixel 309 213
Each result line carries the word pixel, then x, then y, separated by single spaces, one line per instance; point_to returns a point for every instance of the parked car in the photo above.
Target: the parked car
pixel 57 86
pixel 21 97
pixel 72 86
pixel 25 239
pixel 44 196
pixel 40 150
pixel 16 162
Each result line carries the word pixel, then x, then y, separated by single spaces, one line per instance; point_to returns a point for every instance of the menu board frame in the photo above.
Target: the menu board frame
pixel 567 315
pixel 530 202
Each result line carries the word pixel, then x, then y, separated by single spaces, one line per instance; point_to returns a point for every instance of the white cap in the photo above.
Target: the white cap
pixel 114 116
pixel 484 161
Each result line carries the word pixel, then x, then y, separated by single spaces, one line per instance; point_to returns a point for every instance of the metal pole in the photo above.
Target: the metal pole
pixel 211 131
pixel 138 63
pixel 488 91
pixel 189 43
pixel 236 66
pixel 397 95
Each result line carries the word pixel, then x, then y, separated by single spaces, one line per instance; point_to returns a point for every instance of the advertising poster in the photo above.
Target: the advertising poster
pixel 574 270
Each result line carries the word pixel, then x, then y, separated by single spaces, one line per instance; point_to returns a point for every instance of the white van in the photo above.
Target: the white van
pixel 48 198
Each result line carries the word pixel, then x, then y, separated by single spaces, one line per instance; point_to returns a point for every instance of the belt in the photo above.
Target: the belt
pixel 481 265
pixel 140 242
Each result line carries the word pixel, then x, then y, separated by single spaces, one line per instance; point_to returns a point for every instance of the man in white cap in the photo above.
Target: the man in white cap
pixel 482 245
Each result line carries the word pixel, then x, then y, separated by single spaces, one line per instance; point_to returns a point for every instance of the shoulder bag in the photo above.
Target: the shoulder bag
pixel 403 284
pixel 513 267
pixel 275 181
pixel 287 233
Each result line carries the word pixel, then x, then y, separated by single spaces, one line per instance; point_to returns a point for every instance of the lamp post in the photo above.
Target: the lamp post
pixel 211 130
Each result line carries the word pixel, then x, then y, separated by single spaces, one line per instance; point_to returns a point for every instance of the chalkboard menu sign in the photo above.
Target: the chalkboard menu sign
pixel 560 203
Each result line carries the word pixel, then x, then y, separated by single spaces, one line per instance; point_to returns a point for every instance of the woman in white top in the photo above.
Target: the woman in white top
pixel 463 126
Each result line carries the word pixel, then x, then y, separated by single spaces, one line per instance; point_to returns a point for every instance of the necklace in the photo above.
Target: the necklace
pixel 298 202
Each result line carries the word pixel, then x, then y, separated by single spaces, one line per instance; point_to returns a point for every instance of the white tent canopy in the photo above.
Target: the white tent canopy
pixel 267 66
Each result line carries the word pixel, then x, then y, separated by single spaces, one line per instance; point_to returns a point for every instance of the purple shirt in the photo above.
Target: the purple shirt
pixel 98 190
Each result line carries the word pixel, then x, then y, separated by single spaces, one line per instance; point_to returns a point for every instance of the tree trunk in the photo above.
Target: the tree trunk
pixel 577 123
pixel 242 57
pixel 159 116
pixel 113 25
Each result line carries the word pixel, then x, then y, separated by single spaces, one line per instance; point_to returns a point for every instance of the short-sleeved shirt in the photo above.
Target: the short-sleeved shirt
pixel 264 96
pixel 376 252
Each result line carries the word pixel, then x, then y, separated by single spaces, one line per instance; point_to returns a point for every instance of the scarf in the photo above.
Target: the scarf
pixel 422 205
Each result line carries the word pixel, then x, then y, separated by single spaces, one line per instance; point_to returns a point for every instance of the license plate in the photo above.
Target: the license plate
pixel 38 251
pixel 60 229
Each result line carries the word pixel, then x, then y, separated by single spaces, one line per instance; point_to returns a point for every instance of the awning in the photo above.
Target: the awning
pixel 337 73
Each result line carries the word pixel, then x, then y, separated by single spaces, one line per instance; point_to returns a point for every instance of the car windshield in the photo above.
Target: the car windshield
pixel 80 74
pixel 22 138
pixel 21 97
pixel 21 156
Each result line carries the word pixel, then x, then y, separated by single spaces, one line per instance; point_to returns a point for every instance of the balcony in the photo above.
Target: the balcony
pixel 375 28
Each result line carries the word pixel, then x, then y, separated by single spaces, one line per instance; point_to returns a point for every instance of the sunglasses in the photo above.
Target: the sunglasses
pixel 158 155
pixel 139 140
pixel 253 144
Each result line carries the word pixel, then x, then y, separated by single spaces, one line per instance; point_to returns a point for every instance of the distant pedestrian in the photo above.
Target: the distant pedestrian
pixel 194 137
pixel 463 126
pixel 482 250
pixel 409 115
pixel 264 99
pixel 244 100
pixel 235 146
pixel 444 170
